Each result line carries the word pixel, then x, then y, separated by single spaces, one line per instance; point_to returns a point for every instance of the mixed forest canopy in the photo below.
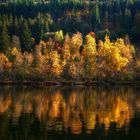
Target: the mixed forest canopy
pixel 69 39
pixel 115 17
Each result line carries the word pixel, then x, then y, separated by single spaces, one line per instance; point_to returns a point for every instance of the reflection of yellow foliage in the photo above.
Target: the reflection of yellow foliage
pixel 106 122
pixel 56 104
pixel 18 109
pixel 5 104
pixel 88 104
pixel 72 99
pixel 76 126
pixel 90 120
pixel 138 104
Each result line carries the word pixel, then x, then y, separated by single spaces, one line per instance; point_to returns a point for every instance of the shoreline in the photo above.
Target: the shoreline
pixel 70 83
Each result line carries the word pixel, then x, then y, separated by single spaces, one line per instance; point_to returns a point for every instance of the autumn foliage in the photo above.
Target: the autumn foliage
pixel 72 57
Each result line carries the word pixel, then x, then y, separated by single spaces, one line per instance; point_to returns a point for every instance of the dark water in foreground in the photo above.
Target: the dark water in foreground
pixel 70 113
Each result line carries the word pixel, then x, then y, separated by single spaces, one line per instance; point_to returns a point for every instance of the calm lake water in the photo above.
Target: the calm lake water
pixel 70 113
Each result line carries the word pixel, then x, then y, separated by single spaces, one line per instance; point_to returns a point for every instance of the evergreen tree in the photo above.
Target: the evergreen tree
pixel 127 19
pixel 25 38
pixel 97 17
pixel 4 39
pixel 38 30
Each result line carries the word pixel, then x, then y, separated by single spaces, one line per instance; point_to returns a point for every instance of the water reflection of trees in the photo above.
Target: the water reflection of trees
pixel 103 113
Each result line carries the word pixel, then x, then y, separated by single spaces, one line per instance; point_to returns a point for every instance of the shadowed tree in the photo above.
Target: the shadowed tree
pixel 4 39
pixel 25 38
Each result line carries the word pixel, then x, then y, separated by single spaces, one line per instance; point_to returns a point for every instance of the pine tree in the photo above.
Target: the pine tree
pixel 97 17
pixel 4 39
pixel 25 38
pixel 38 29
pixel 127 19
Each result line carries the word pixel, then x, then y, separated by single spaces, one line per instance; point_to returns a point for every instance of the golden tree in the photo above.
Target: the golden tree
pixel 22 63
pixel 66 56
pixel 66 47
pixel 75 64
pixel 127 50
pixel 17 57
pixel 89 56
pixel 56 65
pixel 5 64
pixel 59 36
pixel 110 58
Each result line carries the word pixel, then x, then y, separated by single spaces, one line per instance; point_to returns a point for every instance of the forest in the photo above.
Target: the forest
pixel 78 40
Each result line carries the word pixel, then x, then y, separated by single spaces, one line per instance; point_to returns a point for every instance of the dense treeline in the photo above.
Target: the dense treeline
pixel 70 57
pixel 119 16
pixel 33 47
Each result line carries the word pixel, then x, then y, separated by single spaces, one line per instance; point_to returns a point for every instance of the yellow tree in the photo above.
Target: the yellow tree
pixel 51 59
pixel 39 65
pixel 66 47
pixel 110 58
pixel 76 43
pixel 59 36
pixel 5 64
pixel 75 64
pixel 17 57
pixel 56 65
pixel 46 52
pixel 89 56
pixel 22 63
pixel 48 60
pixel 66 56
pixel 127 50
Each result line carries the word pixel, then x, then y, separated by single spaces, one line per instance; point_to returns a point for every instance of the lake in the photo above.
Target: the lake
pixel 69 113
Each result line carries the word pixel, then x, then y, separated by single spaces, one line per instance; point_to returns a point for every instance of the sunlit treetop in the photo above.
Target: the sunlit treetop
pixel 59 36
pixel 89 48
pixel 14 51
pixel 111 56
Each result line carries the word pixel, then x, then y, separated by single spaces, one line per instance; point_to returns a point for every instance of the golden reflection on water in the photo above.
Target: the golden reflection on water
pixel 74 109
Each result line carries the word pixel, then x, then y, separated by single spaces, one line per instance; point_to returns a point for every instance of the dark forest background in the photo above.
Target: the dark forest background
pixel 113 17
